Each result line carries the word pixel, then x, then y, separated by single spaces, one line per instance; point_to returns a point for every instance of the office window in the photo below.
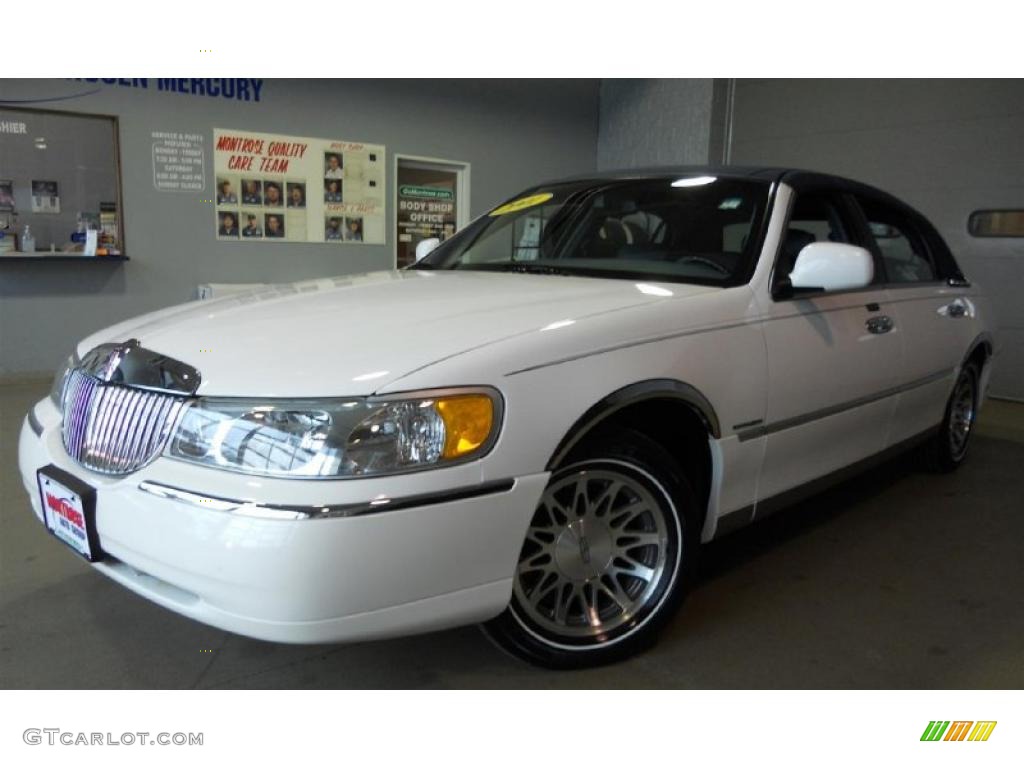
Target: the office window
pixel 59 176
pixel 1004 223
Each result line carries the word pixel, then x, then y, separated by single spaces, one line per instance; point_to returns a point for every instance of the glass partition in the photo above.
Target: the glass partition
pixel 59 178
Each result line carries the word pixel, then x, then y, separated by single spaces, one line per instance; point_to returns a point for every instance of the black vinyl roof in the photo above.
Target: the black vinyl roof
pixel 657 172
pixel 795 176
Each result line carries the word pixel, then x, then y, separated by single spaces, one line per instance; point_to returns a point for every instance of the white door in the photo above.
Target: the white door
pixel 833 361
pixel 431 201
pixel 933 316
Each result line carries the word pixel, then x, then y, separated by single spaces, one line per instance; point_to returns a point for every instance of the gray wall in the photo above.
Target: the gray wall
pixel 946 147
pixel 657 122
pixel 512 133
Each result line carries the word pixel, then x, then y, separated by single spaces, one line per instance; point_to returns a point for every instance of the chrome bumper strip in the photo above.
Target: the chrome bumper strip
pixel 309 512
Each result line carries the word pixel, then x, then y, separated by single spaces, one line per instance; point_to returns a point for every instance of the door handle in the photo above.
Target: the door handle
pixel 956 309
pixel 879 324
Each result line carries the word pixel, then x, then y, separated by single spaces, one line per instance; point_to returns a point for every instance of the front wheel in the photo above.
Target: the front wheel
pixel 608 554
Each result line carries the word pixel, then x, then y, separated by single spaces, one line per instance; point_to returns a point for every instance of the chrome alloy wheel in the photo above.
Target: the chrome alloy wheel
pixel 595 556
pixel 961 414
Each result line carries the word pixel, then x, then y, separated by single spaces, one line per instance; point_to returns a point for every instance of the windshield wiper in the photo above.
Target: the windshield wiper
pixel 535 269
pixel 523 267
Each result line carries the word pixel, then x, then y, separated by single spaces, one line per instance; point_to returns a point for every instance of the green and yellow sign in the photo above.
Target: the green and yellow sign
pixel 426 193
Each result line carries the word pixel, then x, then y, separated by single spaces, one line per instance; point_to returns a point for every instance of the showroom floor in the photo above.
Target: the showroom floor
pixel 896 580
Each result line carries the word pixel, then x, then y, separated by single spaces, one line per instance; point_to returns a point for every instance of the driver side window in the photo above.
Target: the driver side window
pixel 814 218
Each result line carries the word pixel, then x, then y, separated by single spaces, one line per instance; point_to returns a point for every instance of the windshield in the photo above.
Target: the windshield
pixel 695 229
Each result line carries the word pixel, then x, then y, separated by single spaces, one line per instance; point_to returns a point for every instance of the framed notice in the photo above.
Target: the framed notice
pixel 297 189
pixel 45 197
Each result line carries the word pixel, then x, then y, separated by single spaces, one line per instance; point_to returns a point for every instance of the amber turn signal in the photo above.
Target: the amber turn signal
pixel 468 420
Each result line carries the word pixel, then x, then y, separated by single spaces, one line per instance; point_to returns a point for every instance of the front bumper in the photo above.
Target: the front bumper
pixel 398 571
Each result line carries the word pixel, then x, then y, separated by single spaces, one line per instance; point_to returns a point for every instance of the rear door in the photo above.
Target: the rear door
pixel 833 358
pixel 933 315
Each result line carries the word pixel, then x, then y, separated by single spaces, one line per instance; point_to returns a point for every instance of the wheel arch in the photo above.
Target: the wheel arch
pixel 981 349
pixel 673 413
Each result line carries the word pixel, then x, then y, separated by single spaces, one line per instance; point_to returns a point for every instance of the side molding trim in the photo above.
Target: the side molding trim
pixel 805 418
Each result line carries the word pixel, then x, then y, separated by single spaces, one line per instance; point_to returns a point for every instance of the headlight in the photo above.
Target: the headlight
pixel 339 438
pixel 57 388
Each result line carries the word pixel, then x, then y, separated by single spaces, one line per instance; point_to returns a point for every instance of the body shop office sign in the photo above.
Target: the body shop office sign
pixel 423 212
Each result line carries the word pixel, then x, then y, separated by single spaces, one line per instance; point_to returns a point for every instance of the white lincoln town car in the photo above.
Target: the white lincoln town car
pixel 535 426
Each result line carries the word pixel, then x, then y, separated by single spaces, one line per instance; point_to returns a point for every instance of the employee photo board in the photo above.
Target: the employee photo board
pixel 270 187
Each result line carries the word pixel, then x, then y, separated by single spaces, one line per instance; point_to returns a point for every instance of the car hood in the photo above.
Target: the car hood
pixel 353 335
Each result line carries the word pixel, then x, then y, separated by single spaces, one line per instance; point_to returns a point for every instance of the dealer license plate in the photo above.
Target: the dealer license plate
pixel 69 510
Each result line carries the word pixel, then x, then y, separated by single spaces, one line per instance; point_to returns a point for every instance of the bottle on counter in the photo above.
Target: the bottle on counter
pixel 28 242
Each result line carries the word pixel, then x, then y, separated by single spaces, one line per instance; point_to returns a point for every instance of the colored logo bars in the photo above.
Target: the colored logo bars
pixel 958 730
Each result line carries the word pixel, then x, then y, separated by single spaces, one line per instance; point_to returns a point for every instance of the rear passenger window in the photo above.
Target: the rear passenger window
pixel 903 249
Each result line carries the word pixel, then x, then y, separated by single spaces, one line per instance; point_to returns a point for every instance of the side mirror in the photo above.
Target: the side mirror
pixel 824 267
pixel 425 247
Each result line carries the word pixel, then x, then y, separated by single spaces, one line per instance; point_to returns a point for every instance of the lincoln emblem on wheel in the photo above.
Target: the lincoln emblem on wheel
pixel 535 427
pixel 584 548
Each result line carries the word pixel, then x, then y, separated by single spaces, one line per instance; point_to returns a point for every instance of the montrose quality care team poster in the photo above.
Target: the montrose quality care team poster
pixel 297 189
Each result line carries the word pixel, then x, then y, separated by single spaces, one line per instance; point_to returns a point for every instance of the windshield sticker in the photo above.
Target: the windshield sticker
pixel 521 203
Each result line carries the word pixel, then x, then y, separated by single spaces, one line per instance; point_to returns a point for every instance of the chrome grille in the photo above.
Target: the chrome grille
pixel 115 429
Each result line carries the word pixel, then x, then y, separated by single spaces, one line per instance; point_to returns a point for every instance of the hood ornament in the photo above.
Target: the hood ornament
pixel 132 365
pixel 113 356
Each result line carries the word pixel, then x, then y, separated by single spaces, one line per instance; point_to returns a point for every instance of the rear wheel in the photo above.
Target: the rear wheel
pixel 947 449
pixel 606 559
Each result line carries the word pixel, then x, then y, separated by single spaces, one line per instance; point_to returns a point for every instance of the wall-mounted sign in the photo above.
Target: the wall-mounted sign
pixel 426 193
pixel 230 88
pixel 426 205
pixel 13 126
pixel 297 189
pixel 178 162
